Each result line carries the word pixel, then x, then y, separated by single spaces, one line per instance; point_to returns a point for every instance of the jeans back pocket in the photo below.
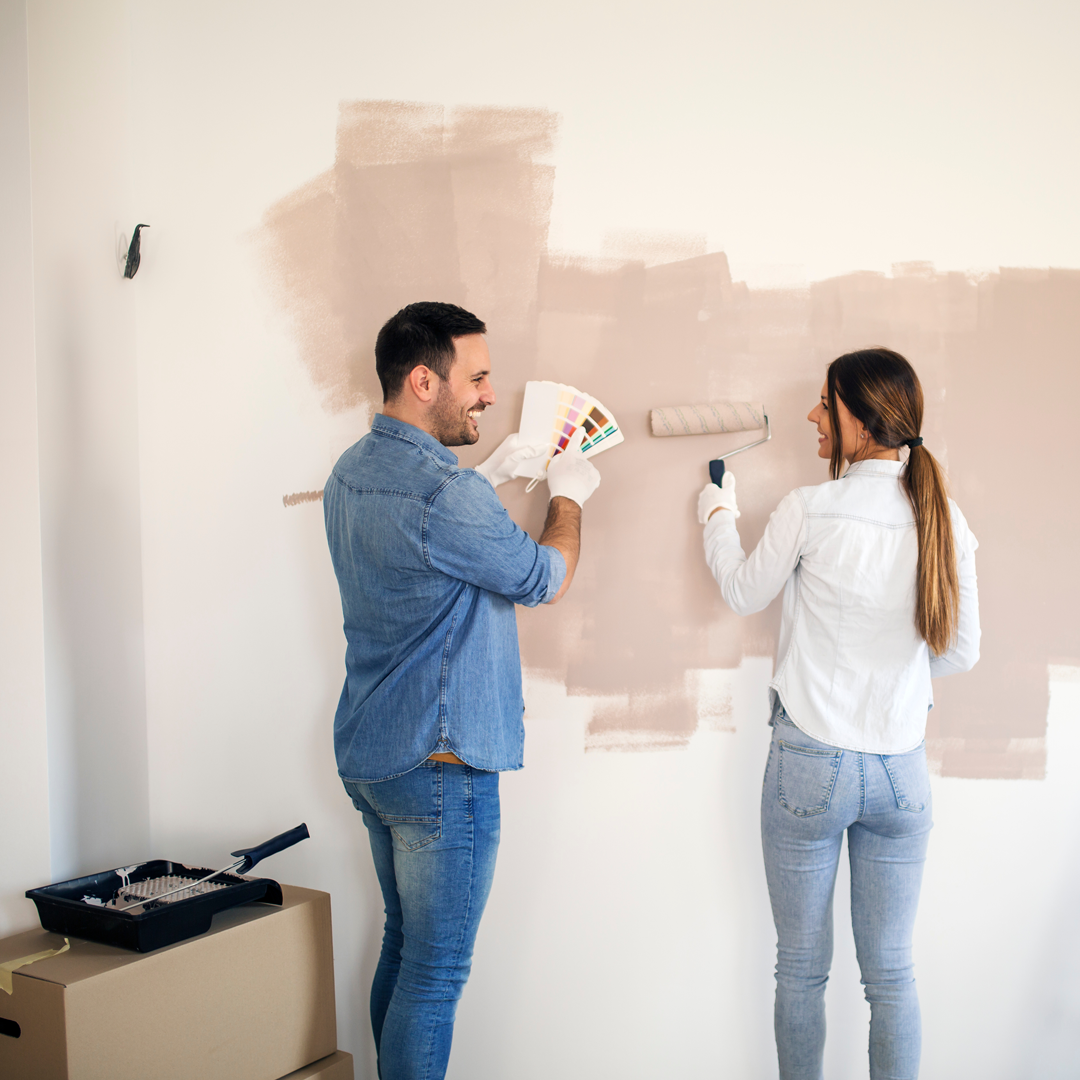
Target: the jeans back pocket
pixel 410 806
pixel 910 779
pixel 806 778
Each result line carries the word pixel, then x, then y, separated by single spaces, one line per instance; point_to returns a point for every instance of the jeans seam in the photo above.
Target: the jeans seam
pixel 431 1048
pixel 419 845
pixel 464 921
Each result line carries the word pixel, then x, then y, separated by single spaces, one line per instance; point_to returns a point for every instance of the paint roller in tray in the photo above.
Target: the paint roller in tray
pixel 148 905
pixel 715 418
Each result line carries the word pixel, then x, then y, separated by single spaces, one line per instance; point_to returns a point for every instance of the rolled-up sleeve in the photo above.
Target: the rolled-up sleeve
pixel 750 584
pixel 963 654
pixel 469 535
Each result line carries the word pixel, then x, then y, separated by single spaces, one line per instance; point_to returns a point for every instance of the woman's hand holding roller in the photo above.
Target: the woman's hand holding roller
pixel 713 498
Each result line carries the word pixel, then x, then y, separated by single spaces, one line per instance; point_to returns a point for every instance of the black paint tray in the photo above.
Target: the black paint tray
pixel 168 911
pixel 63 910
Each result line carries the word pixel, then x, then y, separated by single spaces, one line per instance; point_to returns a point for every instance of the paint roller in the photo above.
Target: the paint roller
pixel 715 418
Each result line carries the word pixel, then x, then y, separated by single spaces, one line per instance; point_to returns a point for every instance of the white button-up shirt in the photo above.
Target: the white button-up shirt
pixel 851 667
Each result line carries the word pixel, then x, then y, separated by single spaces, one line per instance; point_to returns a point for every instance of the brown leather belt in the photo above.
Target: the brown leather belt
pixel 450 759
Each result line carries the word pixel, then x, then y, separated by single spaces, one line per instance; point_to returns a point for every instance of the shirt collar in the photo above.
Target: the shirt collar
pixel 398 429
pixel 875 467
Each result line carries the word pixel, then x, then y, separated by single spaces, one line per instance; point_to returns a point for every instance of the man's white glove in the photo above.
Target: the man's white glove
pixel 510 453
pixel 717 498
pixel 570 474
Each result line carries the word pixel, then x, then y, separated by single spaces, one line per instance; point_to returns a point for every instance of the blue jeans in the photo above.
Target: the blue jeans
pixel 812 794
pixel 434 835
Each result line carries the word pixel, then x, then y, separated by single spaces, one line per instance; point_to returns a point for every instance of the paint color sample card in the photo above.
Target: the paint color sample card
pixel 552 413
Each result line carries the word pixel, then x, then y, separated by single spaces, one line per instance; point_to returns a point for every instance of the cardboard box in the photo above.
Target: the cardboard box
pixel 252 999
pixel 338 1066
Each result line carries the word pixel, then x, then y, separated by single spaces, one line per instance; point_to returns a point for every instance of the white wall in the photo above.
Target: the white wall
pixel 24 791
pixel 628 933
pixel 88 428
pixel 192 623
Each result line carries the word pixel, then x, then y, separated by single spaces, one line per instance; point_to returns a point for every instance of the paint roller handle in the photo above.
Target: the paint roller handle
pixel 716 466
pixel 253 855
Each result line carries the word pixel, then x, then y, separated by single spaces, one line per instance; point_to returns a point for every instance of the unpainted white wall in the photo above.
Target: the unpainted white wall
pixel 24 787
pixel 88 420
pixel 628 932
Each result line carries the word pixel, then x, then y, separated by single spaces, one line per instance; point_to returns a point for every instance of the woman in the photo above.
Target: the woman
pixel 878 572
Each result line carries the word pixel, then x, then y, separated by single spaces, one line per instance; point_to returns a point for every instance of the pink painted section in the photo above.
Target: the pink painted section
pixel 423 204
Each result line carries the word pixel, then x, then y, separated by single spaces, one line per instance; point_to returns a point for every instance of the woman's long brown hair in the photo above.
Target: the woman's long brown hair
pixel 882 391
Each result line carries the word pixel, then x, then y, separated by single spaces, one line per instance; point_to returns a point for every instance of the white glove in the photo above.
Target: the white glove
pixel 571 474
pixel 717 498
pixel 510 453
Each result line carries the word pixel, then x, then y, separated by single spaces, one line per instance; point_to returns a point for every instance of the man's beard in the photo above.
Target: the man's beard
pixel 450 423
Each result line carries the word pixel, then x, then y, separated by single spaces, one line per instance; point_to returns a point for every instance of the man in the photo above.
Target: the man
pixel 430 566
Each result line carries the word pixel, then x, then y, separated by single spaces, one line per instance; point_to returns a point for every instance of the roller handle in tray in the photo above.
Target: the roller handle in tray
pixel 253 855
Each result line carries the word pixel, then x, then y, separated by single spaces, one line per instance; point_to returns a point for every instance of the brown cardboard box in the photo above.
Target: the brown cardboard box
pixel 251 999
pixel 338 1066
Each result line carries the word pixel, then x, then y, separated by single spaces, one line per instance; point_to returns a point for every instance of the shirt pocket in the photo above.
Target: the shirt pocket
pixel 910 779
pixel 806 778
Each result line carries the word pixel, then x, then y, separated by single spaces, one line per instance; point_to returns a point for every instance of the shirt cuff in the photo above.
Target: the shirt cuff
pixel 557 577
pixel 721 521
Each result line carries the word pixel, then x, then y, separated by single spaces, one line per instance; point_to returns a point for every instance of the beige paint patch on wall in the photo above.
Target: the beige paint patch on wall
pixel 424 203
pixel 419 203
pixel 299 497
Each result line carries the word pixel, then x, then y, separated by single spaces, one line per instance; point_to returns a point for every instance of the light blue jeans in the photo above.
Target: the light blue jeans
pixel 434 834
pixel 812 794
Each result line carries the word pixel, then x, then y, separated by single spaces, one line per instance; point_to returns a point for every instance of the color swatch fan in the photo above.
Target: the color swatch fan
pixel 552 413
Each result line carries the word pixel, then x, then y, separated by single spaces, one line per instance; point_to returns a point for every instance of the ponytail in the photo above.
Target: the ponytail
pixel 937 594
pixel 881 390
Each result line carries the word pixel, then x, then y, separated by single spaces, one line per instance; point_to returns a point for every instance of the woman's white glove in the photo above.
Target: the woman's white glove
pixel 510 453
pixel 570 474
pixel 717 498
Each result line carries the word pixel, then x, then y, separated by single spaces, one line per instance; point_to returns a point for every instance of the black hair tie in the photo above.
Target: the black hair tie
pixel 912 443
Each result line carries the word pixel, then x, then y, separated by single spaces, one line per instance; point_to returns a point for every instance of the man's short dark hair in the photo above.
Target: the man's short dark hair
pixel 420 334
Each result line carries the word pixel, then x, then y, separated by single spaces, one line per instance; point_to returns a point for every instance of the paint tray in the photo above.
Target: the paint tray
pixel 85 907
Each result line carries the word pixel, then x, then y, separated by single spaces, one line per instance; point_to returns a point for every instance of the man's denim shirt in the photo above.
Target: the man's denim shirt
pixel 430 566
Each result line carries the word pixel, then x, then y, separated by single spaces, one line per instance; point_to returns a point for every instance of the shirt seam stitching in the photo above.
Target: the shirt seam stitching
pixel 805 529
pixel 426 516
pixel 859 517
pixel 389 433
